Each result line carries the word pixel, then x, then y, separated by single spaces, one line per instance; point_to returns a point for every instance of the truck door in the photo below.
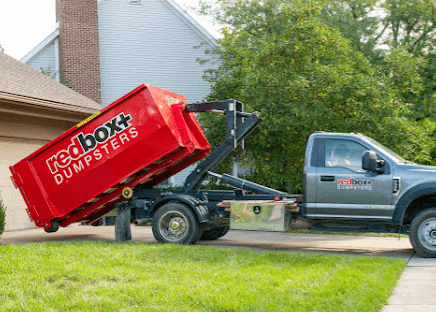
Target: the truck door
pixel 346 191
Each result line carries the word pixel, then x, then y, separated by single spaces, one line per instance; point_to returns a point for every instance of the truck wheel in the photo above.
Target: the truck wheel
pixel 51 226
pixel 215 233
pixel 423 233
pixel 176 223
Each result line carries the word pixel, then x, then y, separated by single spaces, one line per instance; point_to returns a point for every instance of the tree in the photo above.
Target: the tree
pixel 378 28
pixel 358 21
pixel 281 59
pixel 412 25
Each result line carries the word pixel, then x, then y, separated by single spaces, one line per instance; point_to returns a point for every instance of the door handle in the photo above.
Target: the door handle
pixel 327 178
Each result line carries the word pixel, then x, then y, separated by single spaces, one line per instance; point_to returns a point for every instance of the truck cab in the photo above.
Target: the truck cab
pixel 351 177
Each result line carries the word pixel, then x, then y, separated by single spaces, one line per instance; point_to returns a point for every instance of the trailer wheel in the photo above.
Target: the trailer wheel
pixel 423 233
pixel 215 233
pixel 51 226
pixel 176 223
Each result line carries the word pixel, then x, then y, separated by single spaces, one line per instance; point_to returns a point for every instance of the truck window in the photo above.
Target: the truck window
pixel 344 154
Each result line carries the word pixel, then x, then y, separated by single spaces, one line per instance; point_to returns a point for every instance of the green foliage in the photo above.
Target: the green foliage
pixel 281 59
pixel 2 216
pixel 412 23
pixel 99 276
pixel 48 72
pixel 353 20
pixel 52 74
pixel 408 26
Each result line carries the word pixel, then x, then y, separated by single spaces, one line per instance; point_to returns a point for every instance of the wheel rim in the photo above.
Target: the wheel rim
pixel 173 226
pixel 427 233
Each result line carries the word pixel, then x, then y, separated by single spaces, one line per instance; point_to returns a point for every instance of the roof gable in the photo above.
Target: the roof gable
pixel 185 17
pixel 41 46
pixel 170 3
pixel 191 22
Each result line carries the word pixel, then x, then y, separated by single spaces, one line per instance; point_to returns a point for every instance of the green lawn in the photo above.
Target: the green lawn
pixel 139 277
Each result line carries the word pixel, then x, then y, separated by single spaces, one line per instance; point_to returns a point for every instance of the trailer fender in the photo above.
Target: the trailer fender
pixel 195 204
pixel 405 200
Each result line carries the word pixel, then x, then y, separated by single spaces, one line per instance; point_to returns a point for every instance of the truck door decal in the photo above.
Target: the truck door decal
pixel 354 184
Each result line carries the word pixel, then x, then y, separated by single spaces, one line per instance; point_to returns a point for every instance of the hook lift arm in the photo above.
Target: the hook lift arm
pixel 239 126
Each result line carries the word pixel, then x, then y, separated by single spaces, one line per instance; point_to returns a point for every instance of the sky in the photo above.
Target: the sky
pixel 25 23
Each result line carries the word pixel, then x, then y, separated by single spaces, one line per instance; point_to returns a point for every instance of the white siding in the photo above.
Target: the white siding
pixel 44 58
pixel 180 178
pixel 148 43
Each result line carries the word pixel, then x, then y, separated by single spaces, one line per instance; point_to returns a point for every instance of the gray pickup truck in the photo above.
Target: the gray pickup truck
pixel 350 179
pixel 350 182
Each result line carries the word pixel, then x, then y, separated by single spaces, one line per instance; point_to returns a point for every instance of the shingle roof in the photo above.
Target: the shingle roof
pixel 173 5
pixel 20 82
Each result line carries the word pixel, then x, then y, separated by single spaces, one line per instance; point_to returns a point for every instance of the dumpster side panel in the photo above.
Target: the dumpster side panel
pixel 201 149
pixel 136 138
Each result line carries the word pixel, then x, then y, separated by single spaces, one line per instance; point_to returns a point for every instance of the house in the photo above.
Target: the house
pixel 105 48
pixel 34 109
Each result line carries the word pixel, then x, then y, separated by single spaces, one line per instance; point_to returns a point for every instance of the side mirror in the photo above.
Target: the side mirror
pixel 370 162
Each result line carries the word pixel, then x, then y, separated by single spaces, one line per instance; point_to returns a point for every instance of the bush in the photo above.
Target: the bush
pixel 279 59
pixel 2 216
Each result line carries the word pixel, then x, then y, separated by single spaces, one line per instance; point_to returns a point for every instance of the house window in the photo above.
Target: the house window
pixel 135 1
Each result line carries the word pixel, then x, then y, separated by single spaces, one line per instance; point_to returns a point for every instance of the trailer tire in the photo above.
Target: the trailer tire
pixel 215 233
pixel 423 233
pixel 175 223
pixel 54 226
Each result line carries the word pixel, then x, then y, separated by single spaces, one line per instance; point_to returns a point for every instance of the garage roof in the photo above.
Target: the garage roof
pixel 21 83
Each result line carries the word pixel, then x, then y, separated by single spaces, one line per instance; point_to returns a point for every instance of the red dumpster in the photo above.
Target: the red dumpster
pixel 142 138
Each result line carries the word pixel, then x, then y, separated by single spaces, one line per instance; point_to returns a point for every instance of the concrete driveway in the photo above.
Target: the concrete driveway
pixel 338 244
pixel 414 292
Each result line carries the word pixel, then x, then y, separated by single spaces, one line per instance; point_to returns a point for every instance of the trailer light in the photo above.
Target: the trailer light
pixel 276 198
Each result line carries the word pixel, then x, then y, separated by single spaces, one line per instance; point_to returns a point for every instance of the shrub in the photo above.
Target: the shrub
pixel 2 216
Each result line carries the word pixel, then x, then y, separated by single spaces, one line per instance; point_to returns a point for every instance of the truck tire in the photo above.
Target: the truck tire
pixel 175 223
pixel 215 233
pixel 423 233
pixel 52 227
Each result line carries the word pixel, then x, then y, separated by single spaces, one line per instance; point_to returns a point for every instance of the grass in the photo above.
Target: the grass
pixel 307 231
pixel 98 276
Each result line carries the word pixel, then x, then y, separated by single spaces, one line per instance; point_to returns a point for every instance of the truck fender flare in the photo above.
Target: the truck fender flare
pixel 405 200
pixel 194 203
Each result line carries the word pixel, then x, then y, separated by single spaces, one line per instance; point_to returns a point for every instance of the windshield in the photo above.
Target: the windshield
pixel 394 155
